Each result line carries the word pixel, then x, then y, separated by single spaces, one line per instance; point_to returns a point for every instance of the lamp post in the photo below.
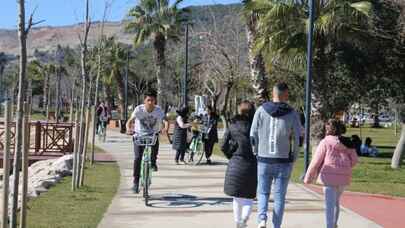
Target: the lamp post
pixel 308 86
pixel 185 72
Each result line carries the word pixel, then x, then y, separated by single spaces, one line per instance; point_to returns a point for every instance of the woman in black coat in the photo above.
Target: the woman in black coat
pixel 180 134
pixel 210 122
pixel 241 174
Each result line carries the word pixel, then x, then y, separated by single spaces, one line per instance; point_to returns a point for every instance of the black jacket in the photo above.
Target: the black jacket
pixel 241 174
pixel 179 138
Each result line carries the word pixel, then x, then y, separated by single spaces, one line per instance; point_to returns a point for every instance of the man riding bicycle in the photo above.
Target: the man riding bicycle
pixel 148 119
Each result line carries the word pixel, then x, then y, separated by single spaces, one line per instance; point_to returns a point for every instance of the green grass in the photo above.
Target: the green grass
pixel 371 175
pixel 62 208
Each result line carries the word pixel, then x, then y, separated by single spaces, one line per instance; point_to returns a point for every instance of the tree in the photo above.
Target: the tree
pixel 223 61
pixel 158 21
pixel 23 30
pixel 256 62
pixel 282 39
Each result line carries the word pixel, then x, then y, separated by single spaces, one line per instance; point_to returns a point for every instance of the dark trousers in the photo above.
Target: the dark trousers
pixel 208 148
pixel 138 151
pixel 180 154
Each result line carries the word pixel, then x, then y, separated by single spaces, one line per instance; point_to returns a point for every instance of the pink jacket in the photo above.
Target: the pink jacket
pixel 333 162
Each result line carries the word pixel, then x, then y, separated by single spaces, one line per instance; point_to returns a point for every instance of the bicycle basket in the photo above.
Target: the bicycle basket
pixel 145 140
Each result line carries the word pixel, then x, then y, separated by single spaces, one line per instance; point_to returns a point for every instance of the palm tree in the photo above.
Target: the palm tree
pixel 158 21
pixel 282 39
pixel 256 61
pixel 282 32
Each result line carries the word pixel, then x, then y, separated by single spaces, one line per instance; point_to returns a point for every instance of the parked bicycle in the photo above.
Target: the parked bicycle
pixel 148 141
pixel 195 150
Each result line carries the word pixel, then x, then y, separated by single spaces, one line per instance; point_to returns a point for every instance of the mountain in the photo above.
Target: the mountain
pixel 47 38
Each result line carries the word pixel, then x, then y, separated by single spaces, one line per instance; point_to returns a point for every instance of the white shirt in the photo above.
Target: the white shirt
pixel 147 122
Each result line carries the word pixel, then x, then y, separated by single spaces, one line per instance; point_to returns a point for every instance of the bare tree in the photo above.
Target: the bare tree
pixel 224 61
pixel 84 73
pixel 23 31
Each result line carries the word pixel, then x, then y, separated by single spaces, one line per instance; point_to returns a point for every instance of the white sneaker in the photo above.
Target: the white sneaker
pixel 262 224
pixel 241 225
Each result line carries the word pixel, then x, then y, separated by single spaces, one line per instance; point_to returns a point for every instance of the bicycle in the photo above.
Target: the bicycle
pixel 146 140
pixel 195 151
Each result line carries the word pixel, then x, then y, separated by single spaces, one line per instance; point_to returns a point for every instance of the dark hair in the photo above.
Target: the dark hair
pixel 335 127
pixel 211 110
pixel 281 86
pixel 368 141
pixel 246 108
pixel 182 111
pixel 150 93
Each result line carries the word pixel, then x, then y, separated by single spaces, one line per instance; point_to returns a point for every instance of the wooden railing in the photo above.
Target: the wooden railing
pixel 45 138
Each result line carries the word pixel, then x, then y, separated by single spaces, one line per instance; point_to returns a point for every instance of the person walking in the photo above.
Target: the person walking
pixel 147 118
pixel 180 134
pixel 275 135
pixel 333 162
pixel 210 122
pixel 103 116
pixel 241 173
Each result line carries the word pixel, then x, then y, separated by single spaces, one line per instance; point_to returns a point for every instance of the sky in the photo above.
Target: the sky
pixel 67 12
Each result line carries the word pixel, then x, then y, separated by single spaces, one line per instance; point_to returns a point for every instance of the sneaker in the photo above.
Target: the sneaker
pixel 135 189
pixel 177 163
pixel 262 224
pixel 154 168
pixel 183 162
pixel 209 162
pixel 241 225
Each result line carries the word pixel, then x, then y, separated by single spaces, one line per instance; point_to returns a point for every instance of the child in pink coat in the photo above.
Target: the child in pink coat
pixel 332 165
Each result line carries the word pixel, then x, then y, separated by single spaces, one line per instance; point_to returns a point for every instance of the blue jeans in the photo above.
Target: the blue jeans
pixel 332 204
pixel 279 174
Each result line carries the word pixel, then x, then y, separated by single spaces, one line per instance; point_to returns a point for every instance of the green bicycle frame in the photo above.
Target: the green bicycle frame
pixel 146 160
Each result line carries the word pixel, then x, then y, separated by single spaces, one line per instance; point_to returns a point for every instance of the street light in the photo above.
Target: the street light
pixel 308 86
pixel 185 72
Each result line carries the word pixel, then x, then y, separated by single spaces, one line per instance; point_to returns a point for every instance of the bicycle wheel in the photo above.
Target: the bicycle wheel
pixel 195 152
pixel 146 183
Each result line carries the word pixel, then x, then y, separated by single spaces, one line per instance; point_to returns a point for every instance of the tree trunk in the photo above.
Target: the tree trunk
pixel 48 103
pixel 121 92
pixel 22 34
pixel 399 150
pixel 256 63
pixel 72 102
pixel 58 78
pixel 84 91
pixel 160 44
pixel 95 107
pixel 45 94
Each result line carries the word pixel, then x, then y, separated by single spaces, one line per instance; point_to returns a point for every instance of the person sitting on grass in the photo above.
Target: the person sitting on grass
pixel 367 149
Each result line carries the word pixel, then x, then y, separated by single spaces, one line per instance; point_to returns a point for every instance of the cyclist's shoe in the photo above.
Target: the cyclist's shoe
pixel 154 168
pixel 209 162
pixel 135 188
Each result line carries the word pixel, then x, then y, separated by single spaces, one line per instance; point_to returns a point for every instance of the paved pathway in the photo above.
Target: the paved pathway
pixel 186 196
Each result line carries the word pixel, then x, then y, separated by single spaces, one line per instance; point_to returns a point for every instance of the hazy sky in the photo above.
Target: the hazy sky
pixel 66 12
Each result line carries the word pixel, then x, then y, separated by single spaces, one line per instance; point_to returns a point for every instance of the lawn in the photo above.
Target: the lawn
pixel 371 175
pixel 62 208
